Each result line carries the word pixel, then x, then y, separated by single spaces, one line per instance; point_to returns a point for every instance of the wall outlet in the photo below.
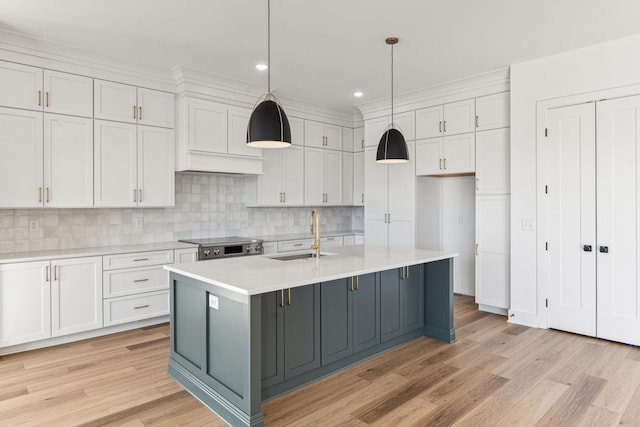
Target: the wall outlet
pixel 528 224
pixel 34 225
pixel 460 219
pixel 214 302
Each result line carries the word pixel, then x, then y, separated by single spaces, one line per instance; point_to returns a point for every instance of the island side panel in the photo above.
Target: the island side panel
pixel 223 369
pixel 438 300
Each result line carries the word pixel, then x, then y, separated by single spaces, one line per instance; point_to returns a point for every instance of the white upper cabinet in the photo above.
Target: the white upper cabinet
pixel 238 118
pixel 429 156
pixel 322 135
pixel 282 181
pixel 33 88
pixel 323 177
pixel 492 111
pixel 21 154
pixel 492 161
pixel 374 128
pixel 156 166
pixel 358 139
pixel 134 165
pixel 207 126
pixel 347 140
pixel 358 178
pixel 68 161
pixel 125 103
pixel 68 94
pixel 444 156
pixel 448 119
pixel 115 101
pixel 20 86
pixel 347 178
pixel 156 108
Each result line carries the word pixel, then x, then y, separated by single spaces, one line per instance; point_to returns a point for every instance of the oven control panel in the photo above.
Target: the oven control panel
pixel 224 251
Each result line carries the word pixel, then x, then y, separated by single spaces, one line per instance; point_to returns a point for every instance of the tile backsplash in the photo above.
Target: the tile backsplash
pixel 206 205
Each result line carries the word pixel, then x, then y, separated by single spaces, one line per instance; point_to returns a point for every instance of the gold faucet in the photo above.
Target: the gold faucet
pixel 315 226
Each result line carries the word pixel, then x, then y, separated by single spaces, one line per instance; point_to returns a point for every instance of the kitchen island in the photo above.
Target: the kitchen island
pixel 244 330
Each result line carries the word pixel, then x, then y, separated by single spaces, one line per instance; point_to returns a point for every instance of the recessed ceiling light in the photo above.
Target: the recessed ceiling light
pixel 262 67
pixel 358 94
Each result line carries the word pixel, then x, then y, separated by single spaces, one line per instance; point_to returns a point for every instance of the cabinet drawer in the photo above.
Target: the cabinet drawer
pixel 134 280
pixel 138 307
pixel 137 259
pixel 331 242
pixel 294 245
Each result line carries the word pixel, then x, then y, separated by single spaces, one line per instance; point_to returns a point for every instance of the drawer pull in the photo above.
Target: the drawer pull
pixel 141 259
pixel 141 306
pixel 297 244
pixel 141 280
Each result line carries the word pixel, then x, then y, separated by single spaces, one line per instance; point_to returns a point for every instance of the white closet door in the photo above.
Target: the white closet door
pixel 571 218
pixel 618 208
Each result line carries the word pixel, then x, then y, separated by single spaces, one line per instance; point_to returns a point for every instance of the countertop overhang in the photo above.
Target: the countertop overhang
pixel 255 275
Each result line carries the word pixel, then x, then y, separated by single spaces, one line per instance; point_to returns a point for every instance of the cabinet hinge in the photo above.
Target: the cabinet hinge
pixel 546 132
pixel 546 246
pixel 546 189
pixel 546 302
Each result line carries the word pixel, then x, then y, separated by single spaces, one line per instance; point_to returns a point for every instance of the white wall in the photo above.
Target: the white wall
pixel 609 65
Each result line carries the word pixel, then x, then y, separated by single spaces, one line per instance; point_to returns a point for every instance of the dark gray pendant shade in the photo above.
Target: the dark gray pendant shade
pixel 268 126
pixel 392 147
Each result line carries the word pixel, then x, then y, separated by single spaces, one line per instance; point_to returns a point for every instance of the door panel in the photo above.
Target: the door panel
pixel 115 164
pixel 571 218
pixel 366 306
pixel 156 167
pixel 302 331
pixel 336 328
pixel 618 206
pixel 391 320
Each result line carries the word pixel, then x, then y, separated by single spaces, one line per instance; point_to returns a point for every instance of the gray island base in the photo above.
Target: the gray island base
pixel 246 330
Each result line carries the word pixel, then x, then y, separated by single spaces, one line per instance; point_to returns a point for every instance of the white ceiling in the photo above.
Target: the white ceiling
pixel 323 50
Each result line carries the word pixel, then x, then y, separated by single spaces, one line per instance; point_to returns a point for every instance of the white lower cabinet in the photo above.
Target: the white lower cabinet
pixel 25 302
pixel 136 286
pixel 46 299
pixel 492 251
pixel 185 255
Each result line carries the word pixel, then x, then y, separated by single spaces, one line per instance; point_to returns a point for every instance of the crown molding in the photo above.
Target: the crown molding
pixel 469 87
pixel 202 84
pixel 59 57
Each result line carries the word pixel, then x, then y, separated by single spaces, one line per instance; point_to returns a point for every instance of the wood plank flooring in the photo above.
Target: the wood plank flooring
pixel 496 374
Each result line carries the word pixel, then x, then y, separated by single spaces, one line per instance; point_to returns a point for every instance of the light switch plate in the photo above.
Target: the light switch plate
pixel 214 302
pixel 528 224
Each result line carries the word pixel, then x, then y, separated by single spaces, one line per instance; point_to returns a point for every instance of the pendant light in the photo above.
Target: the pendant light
pixel 392 147
pixel 268 125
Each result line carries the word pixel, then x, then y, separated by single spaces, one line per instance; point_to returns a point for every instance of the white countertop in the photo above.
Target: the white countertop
pixel 7 257
pixel 297 236
pixel 261 274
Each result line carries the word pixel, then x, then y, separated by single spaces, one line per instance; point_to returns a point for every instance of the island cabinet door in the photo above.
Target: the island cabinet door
pixel 366 309
pixel 336 327
pixel 272 339
pixel 412 290
pixel 301 330
pixel 391 319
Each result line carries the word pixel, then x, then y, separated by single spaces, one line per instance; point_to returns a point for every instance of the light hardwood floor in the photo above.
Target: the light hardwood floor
pixel 496 374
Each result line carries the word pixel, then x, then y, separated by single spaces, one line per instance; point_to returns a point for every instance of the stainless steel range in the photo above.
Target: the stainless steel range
pixel 223 247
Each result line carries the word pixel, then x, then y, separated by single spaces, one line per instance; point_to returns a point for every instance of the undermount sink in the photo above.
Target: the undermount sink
pixel 305 256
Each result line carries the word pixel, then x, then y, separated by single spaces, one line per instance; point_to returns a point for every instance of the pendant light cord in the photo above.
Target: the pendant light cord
pixel 391 84
pixel 269 47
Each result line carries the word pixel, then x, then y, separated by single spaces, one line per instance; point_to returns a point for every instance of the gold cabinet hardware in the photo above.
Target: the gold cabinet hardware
pixel 477 122
pixel 352 288
pixel 47 194
pixel 39 97
pixel 46 273
pixel 141 306
pixel 140 280
pixel 139 113
pixel 46 97
pixel 39 194
pixel 289 297
pixel 134 111
pixel 282 298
